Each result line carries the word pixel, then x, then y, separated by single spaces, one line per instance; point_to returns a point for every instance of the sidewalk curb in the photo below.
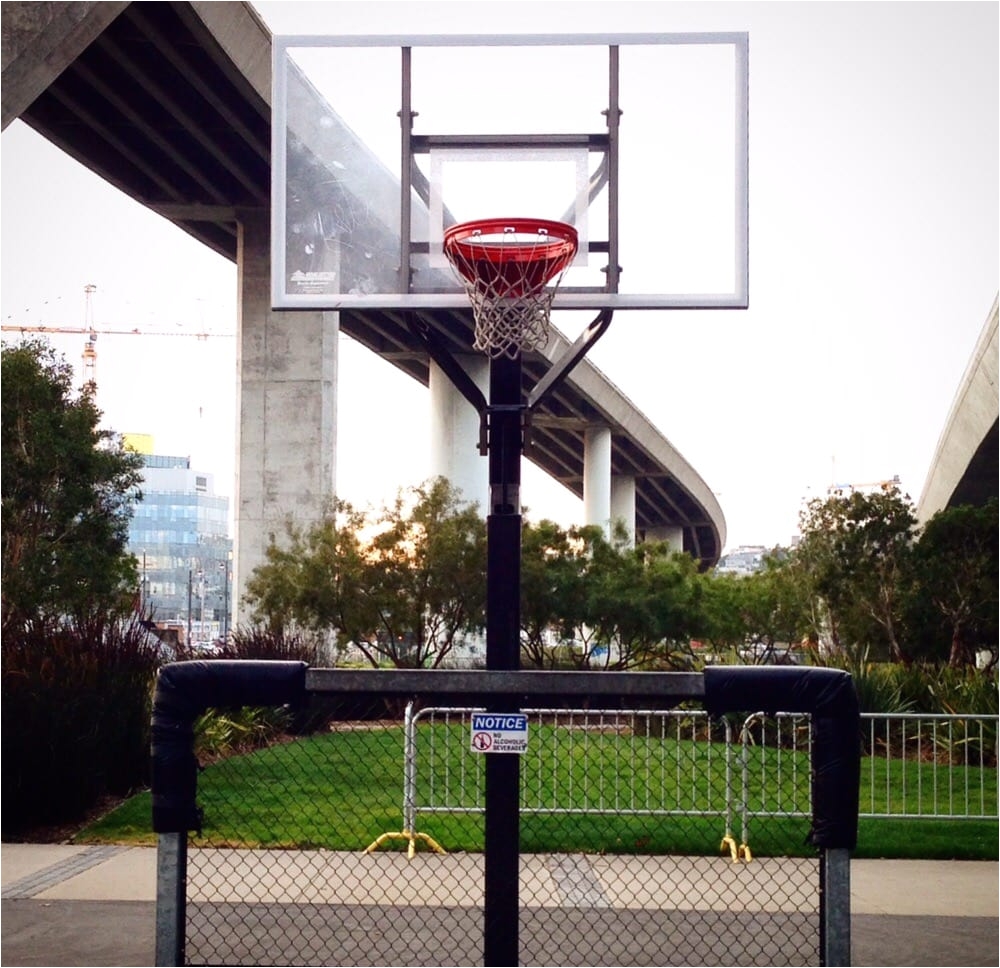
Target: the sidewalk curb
pixel 33 884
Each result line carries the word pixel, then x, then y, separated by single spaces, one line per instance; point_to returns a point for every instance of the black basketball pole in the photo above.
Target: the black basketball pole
pixel 503 429
pixel 503 633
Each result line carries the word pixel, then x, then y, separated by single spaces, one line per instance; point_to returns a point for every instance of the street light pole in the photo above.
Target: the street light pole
pixel 201 597
pixel 225 565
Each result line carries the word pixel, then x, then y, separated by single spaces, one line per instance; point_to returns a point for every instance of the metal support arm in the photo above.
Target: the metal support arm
pixel 548 384
pixel 572 355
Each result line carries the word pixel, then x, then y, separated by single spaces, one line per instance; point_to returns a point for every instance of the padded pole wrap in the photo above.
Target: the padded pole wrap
pixel 829 696
pixel 184 690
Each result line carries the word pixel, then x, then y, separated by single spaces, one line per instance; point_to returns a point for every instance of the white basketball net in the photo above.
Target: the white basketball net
pixel 507 326
pixel 510 316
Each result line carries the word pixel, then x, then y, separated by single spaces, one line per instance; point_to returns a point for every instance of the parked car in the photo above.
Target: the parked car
pixel 760 653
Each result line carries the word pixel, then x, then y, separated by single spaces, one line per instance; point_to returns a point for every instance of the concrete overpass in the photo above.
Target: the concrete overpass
pixel 965 465
pixel 169 102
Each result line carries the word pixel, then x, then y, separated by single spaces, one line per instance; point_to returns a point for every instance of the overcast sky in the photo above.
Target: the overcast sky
pixel 873 264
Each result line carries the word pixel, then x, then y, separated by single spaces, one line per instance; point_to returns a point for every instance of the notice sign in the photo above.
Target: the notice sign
pixel 499 733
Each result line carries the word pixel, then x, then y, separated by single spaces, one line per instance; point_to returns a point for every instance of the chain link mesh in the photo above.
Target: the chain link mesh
pixel 329 849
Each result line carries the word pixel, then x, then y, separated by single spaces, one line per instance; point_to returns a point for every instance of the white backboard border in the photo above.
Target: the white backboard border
pixel 282 298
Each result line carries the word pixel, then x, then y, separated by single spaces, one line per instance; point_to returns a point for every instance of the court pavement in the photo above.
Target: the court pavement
pixel 66 904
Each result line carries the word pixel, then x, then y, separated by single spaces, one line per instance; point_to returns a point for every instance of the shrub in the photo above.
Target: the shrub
pixel 885 687
pixel 264 642
pixel 261 642
pixel 219 733
pixel 877 683
pixel 963 690
pixel 76 718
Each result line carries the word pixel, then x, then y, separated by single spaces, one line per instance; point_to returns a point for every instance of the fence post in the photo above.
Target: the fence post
pixel 171 888
pixel 409 773
pixel 183 690
pixel 745 785
pixel 835 906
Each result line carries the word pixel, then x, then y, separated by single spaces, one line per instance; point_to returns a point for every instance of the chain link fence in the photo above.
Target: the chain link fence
pixel 364 843
pixel 616 808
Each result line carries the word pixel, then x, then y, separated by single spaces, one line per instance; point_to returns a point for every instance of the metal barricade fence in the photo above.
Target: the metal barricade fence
pixel 914 765
pixel 653 768
pixel 455 783
pixel 775 779
pixel 932 766
pixel 937 766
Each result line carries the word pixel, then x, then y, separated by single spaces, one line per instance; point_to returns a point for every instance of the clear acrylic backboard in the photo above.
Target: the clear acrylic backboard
pixel 639 141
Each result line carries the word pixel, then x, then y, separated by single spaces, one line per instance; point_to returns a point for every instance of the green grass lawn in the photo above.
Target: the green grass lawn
pixel 341 790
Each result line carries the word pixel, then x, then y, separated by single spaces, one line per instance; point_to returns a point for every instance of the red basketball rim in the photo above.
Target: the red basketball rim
pixel 497 242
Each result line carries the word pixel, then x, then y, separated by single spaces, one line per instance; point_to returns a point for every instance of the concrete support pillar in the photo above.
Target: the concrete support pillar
pixel 286 410
pixel 623 505
pixel 454 431
pixel 597 477
pixel 672 534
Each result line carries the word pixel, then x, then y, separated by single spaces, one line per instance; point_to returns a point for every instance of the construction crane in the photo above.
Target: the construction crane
pixel 89 357
pixel 90 347
pixel 198 334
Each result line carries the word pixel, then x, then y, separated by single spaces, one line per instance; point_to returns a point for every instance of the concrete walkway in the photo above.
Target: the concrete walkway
pixel 95 905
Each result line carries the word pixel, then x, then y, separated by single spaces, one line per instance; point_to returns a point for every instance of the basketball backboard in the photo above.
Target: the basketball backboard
pixel 639 141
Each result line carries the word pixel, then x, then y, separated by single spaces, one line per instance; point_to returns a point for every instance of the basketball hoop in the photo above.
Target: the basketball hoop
pixel 505 266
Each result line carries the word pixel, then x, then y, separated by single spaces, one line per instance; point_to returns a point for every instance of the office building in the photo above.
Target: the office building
pixel 179 535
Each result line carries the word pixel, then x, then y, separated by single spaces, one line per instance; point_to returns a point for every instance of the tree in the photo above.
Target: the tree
pixel 856 550
pixel 644 605
pixel 955 569
pixel 589 602
pixel 726 627
pixel 67 490
pixel 554 568
pixel 314 579
pixel 428 567
pixel 401 588
pixel 764 614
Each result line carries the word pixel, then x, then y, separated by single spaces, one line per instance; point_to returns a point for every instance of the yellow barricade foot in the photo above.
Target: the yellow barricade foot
pixel 410 838
pixel 730 843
